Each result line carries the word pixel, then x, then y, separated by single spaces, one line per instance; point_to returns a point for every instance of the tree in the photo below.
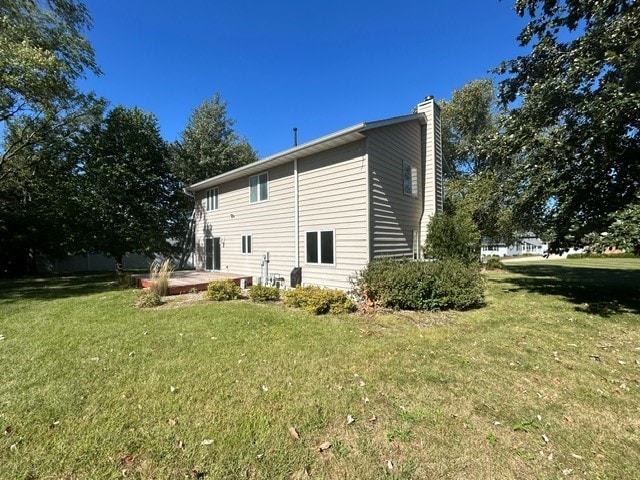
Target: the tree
pixel 133 200
pixel 209 146
pixel 470 121
pixel 40 206
pixel 572 137
pixel 622 233
pixel 42 55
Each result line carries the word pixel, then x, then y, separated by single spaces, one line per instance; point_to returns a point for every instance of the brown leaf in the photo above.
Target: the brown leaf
pixel 323 446
pixel 172 422
pixel 294 433
pixel 8 430
pixel 180 445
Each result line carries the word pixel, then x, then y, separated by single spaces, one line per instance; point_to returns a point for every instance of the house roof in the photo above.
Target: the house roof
pixel 335 139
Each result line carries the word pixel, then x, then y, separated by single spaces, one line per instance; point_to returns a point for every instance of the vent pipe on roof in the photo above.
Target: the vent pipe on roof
pixel 295 137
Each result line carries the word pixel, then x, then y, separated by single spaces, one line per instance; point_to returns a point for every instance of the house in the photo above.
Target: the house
pixel 328 206
pixel 524 244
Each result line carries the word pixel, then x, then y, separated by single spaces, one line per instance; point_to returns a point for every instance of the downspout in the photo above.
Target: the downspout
pixel 296 213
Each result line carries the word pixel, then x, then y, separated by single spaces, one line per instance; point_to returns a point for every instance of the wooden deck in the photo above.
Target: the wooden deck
pixel 185 281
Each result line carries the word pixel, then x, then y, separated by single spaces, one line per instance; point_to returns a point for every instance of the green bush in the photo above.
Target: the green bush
pixel 452 236
pixel 262 293
pixel 574 256
pixel 318 300
pixel 410 285
pixel 456 285
pixel 401 284
pixel 221 290
pixel 148 299
pixel 493 262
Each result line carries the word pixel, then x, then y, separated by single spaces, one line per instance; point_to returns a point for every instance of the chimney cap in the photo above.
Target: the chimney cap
pixel 428 97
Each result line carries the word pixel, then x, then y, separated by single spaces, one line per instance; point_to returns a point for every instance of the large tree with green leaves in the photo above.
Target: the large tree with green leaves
pixel 43 52
pixel 209 145
pixel 470 120
pixel 573 133
pixel 133 200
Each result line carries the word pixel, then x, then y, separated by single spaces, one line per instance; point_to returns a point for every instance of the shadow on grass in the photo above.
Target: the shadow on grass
pixel 598 291
pixel 55 286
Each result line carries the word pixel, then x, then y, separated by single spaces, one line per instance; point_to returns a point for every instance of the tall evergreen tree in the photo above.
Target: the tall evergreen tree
pixel 209 146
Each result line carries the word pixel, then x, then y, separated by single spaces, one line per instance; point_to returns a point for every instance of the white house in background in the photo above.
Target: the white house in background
pixel 527 244
pixel 328 206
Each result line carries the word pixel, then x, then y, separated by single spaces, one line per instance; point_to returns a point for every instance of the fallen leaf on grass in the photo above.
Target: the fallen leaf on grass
pixel 576 456
pixel 389 465
pixel 350 420
pixel 180 445
pixel 173 389
pixel 8 430
pixel 206 442
pixel 323 446
pixel 294 433
pixel 172 421
pixel 54 424
pixel 373 418
pixel 545 438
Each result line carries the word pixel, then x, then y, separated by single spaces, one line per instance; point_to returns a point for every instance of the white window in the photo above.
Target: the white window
pixel 409 179
pixel 246 243
pixel 212 199
pixel 320 247
pixel 259 188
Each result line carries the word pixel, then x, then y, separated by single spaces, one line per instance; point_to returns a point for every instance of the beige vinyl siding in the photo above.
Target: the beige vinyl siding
pixel 433 182
pixel 270 223
pixel 394 215
pixel 332 192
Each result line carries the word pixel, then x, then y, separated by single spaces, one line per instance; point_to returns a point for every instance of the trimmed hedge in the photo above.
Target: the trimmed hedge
pixel 318 300
pixel 574 256
pixel 411 285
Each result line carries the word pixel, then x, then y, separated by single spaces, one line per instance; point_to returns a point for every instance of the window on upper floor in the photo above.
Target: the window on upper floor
pixel 212 199
pixel 259 188
pixel 409 179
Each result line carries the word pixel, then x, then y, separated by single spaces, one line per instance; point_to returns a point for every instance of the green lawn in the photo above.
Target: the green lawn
pixel 541 383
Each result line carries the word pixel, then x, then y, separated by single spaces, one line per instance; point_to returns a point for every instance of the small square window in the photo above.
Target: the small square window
pixel 246 243
pixel 212 199
pixel 259 188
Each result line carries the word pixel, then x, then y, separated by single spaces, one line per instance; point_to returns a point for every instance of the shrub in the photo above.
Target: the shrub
pixel 148 299
pixel 452 236
pixel 221 290
pixel 493 263
pixel 410 285
pixel 262 293
pixel 401 284
pixel 318 300
pixel 457 286
pixel 574 256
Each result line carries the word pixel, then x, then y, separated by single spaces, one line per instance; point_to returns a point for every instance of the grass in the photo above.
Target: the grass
pixel 542 383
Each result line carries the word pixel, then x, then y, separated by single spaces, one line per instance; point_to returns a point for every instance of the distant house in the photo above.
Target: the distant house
pixel 328 206
pixel 525 244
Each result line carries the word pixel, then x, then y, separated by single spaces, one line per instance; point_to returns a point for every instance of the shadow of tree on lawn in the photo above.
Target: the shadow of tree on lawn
pixel 598 291
pixel 55 286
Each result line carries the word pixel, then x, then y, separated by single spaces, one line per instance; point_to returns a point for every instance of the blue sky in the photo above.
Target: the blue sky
pixel 317 66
